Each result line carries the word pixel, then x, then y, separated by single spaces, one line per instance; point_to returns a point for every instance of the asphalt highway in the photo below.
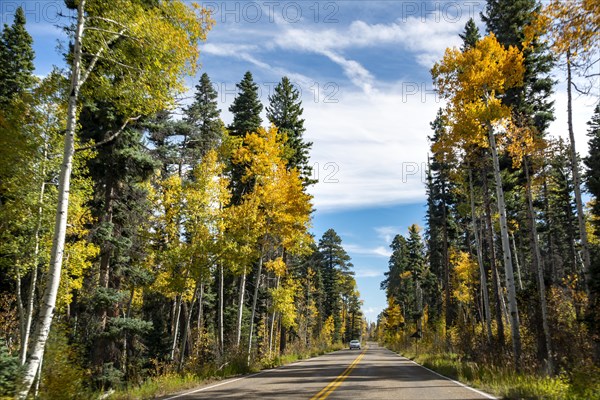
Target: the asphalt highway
pixel 373 373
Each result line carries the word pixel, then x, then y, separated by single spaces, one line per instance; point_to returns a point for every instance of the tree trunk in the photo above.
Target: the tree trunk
pixel 482 272
pixel 272 324
pixel 186 329
pixel 34 270
pixel 540 271
pixel 221 284
pixel 175 327
pixel 448 312
pixel 508 267
pixel 241 308
pixel 254 300
pixel 514 246
pixel 58 241
pixel 496 285
pixel 200 326
pixel 576 180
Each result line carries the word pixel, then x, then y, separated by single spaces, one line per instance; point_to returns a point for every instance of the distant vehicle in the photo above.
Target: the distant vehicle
pixel 354 344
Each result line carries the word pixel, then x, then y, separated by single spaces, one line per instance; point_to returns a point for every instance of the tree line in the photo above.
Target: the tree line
pixel 508 270
pixel 135 243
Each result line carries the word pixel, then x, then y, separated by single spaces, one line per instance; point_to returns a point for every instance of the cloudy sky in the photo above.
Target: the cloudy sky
pixel 363 70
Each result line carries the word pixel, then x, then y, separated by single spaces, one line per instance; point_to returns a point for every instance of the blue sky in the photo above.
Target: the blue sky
pixel 363 70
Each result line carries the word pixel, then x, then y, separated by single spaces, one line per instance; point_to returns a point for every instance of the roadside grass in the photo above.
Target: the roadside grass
pixel 172 382
pixel 504 383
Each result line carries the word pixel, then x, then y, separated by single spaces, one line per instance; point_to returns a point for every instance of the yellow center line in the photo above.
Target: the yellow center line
pixel 327 390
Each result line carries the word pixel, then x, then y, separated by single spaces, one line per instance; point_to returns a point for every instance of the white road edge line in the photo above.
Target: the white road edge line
pixel 488 396
pixel 202 389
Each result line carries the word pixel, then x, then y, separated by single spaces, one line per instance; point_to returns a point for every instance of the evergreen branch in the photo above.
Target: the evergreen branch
pixel 111 137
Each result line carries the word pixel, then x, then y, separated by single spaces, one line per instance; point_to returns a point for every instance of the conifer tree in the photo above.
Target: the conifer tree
pixel 470 36
pixel 335 265
pixel 16 59
pixel 204 118
pixel 285 112
pixel 246 108
pixel 592 162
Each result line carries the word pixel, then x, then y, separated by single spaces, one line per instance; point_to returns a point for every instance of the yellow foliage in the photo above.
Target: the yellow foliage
pixel 569 27
pixel 465 277
pixel 327 330
pixel 283 207
pixel 283 302
pixel 395 319
pixel 276 266
pixel 158 44
pixel 473 82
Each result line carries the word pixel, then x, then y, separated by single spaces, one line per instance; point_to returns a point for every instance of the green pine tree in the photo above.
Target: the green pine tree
pixel 16 59
pixel 592 162
pixel 285 112
pixel 335 268
pixel 471 35
pixel 246 108
pixel 204 118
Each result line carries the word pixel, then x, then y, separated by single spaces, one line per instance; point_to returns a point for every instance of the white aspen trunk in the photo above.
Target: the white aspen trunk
pixel 58 242
pixel 514 246
pixel 20 309
pixel 240 313
pixel 510 277
pixel 200 318
pixel 186 329
pixel 176 328
pixel 34 274
pixel 38 379
pixel 576 180
pixel 221 344
pixel 260 262
pixel 540 274
pixel 36 252
pixel 482 273
pixel 273 322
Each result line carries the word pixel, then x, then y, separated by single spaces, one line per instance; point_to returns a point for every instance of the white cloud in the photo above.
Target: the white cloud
pixel 428 38
pixel 379 251
pixel 387 233
pixel 369 149
pixel 367 273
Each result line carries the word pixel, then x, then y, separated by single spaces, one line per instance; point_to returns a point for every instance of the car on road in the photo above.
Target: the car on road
pixel 354 344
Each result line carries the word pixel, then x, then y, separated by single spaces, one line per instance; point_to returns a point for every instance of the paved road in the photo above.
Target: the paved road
pixel 373 374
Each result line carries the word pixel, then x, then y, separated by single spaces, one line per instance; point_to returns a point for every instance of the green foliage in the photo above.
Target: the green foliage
pixel 63 376
pixel 10 371
pixel 246 108
pixel 16 59
pixel 203 118
pixel 285 112
pixel 592 162
pixel 470 36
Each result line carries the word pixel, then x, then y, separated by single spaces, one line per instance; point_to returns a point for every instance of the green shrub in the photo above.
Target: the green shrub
pixel 10 372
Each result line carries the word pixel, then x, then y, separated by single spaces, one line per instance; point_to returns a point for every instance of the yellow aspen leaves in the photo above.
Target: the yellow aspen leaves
pixel 473 81
pixel 465 276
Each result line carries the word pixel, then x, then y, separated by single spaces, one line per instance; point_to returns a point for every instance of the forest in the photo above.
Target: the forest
pixel 504 283
pixel 137 244
pixel 145 245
